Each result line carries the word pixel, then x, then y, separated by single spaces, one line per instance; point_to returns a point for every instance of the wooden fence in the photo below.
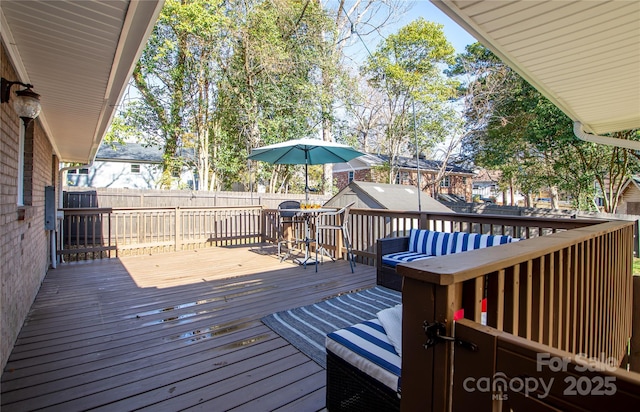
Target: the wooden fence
pixel 75 197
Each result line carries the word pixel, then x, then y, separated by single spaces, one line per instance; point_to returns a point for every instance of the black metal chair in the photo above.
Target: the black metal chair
pixel 287 219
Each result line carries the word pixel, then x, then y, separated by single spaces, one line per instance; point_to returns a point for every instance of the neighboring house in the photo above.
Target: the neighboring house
pixel 456 183
pixel 81 84
pixel 486 186
pixel 129 165
pixel 629 202
pixel 485 183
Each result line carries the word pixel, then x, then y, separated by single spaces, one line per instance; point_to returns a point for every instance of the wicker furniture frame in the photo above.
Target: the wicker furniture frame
pixel 349 389
pixel 387 275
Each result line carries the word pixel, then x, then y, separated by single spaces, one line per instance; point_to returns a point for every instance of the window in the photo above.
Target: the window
pixel 25 165
pixel 135 169
pixel 402 178
pixel 20 198
pixel 351 176
pixel 445 182
pixel 78 171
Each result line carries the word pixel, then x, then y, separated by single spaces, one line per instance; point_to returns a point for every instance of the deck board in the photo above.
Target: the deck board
pixel 170 332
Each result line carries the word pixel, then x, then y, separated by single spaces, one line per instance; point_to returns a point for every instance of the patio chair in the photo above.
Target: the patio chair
pixel 287 220
pixel 334 221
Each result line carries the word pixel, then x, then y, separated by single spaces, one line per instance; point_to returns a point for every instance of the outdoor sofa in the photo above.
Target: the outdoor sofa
pixel 424 244
pixel 364 360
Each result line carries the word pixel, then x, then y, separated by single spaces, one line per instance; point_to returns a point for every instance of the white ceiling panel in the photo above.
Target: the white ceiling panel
pixel 79 55
pixel 583 55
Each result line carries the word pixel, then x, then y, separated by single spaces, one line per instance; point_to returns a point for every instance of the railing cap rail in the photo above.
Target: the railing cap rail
pixel 488 218
pixel 460 267
pixel 86 210
pixel 156 208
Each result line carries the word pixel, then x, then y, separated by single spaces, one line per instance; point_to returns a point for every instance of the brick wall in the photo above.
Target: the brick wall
pixel 360 175
pixel 24 244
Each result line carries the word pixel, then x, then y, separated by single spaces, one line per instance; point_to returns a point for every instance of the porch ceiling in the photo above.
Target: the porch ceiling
pixel 79 55
pixel 582 55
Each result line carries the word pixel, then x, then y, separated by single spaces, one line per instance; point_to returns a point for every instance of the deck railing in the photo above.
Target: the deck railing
pixel 568 285
pixel 368 225
pixel 569 290
pixel 93 233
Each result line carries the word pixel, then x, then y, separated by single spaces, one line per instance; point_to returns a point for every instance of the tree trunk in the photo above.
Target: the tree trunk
pixel 555 204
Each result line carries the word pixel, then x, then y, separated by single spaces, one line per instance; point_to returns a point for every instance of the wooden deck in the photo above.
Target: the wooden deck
pixel 171 332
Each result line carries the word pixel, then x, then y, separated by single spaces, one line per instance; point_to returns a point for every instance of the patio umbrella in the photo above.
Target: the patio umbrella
pixel 305 152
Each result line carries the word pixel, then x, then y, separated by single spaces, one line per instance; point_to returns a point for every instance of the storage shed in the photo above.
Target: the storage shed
pixel 369 195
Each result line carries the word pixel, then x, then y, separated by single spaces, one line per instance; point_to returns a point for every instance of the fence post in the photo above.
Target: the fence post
pixel 178 233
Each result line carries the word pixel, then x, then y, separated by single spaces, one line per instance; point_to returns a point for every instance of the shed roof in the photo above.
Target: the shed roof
pixel 385 196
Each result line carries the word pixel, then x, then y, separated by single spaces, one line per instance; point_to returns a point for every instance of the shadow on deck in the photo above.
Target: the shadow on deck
pixel 171 331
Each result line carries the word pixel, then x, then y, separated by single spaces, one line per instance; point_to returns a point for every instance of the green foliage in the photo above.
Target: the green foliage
pixel 407 70
pixel 222 77
pixel 518 131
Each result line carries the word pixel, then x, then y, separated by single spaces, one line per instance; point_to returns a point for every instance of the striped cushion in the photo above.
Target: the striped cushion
pixel 429 242
pixel 366 346
pixel 392 259
pixel 461 242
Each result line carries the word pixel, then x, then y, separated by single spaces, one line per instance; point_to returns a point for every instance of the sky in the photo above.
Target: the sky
pixel 456 35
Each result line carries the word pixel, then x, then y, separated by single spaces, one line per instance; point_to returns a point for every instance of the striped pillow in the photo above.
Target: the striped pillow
pixel 429 242
pixel 462 242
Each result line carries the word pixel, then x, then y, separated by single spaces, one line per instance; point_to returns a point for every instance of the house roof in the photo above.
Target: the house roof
pixel 635 180
pixel 79 56
pixel 370 159
pixel 129 152
pixel 385 196
pixel 426 164
pixel 138 153
pixel 485 175
pixel 582 55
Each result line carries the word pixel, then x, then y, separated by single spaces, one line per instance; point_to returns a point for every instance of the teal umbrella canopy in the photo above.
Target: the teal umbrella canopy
pixel 305 152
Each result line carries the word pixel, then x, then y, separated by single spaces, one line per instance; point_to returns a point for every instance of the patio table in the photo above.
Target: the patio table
pixel 308 215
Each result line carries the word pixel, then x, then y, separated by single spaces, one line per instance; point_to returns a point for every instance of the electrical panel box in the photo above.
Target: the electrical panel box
pixel 49 208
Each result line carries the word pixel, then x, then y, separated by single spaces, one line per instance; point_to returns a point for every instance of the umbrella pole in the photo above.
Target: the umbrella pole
pixel 306 183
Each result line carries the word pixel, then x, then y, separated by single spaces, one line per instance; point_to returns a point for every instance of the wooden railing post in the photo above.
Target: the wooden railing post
pixel 424 221
pixel 178 232
pixel 263 226
pixel 426 372
pixel 634 356
pixel 109 214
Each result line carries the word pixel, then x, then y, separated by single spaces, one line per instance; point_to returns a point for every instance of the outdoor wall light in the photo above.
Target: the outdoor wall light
pixel 26 102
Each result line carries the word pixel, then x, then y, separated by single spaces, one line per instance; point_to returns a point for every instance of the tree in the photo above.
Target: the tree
pixel 224 77
pixel 407 70
pixel 173 80
pixel 513 128
pixel 270 87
